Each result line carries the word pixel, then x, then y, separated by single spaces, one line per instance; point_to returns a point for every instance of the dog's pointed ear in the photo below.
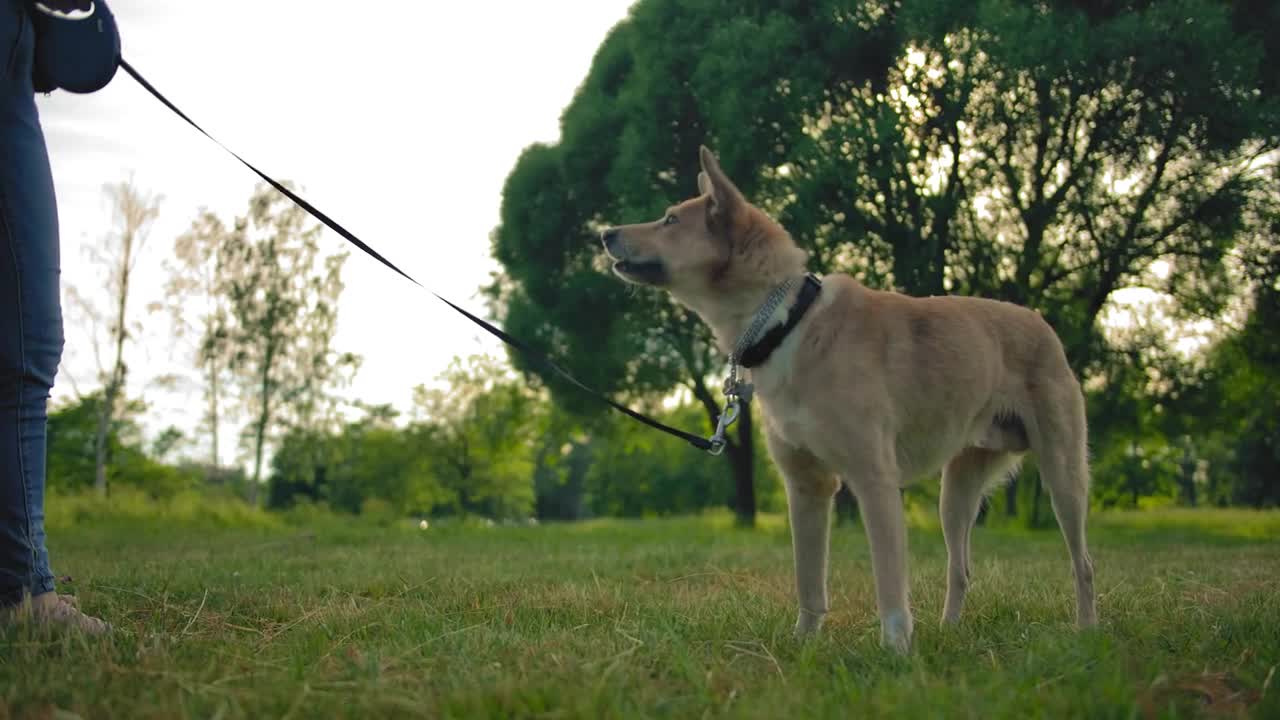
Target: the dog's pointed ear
pixel 725 197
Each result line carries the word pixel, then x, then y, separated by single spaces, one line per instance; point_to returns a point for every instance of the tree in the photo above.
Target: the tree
pixel 615 162
pixel 318 370
pixel 480 432
pixel 73 443
pixel 282 296
pixel 469 449
pixel 635 474
pixel 118 253
pixel 199 305
pixel 1049 154
pixel 1042 154
pixel 369 460
pixel 1227 407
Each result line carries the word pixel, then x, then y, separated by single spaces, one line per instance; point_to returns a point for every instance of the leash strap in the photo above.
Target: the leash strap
pixel 697 441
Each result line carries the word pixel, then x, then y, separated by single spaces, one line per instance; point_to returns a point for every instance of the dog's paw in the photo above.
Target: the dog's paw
pixel 808 623
pixel 895 631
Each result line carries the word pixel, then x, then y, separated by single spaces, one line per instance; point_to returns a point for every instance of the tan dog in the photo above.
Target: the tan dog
pixel 876 389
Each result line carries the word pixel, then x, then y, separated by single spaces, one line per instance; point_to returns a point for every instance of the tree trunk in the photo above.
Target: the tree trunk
pixel 846 506
pixel 213 413
pixel 106 413
pixel 1011 497
pixel 740 454
pixel 741 458
pixel 100 446
pixel 1187 477
pixel 115 380
pixel 259 435
pixel 261 431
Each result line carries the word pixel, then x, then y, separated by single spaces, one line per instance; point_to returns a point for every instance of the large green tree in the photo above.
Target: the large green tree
pixel 628 149
pixel 1049 154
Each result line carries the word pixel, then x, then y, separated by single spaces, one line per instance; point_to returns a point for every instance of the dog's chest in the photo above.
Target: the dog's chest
pixel 785 415
pixel 794 425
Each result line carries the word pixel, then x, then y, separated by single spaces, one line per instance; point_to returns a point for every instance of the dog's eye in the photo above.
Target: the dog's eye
pixel 670 220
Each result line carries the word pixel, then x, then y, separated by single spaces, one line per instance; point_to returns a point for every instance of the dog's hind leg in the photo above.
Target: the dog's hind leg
pixel 1059 438
pixel 811 489
pixel 964 481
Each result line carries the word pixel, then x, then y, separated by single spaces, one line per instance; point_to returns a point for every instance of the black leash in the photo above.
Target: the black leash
pixel 697 441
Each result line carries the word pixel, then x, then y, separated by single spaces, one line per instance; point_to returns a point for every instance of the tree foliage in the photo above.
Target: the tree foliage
pixel 117 256
pixel 198 276
pixel 1050 154
pixel 73 442
pixel 281 295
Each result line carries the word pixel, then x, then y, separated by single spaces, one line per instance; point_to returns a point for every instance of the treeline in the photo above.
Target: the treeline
pixel 482 443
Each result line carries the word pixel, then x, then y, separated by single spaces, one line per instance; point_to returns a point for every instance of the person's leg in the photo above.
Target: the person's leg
pixel 30 347
pixel 30 330
pixel 30 317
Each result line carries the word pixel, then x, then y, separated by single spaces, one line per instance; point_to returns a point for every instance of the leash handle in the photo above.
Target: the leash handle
pixel 713 445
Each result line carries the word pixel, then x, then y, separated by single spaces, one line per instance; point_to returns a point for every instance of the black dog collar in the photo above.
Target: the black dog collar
pixel 760 351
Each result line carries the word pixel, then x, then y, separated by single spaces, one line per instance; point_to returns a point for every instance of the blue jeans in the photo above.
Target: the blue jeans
pixel 30 314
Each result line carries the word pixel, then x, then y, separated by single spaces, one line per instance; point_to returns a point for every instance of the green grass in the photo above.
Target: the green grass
pixel 678 618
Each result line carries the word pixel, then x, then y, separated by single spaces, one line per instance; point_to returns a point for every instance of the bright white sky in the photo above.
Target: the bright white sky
pixel 400 119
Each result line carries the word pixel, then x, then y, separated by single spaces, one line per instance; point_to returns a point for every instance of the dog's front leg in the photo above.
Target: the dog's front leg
pixel 810 491
pixel 810 527
pixel 880 507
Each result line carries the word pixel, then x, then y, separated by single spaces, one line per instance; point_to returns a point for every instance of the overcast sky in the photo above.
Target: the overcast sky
pixel 401 120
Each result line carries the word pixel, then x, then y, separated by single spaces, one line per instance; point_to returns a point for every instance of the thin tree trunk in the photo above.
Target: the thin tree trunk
pixel 213 413
pixel 741 456
pixel 116 378
pixel 100 448
pixel 846 506
pixel 1188 476
pixel 261 431
pixel 106 413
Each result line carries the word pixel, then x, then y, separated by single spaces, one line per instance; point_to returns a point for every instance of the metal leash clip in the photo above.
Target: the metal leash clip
pixel 727 418
pixel 736 394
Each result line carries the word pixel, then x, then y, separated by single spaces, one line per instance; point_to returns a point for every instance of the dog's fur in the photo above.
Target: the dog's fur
pixel 875 389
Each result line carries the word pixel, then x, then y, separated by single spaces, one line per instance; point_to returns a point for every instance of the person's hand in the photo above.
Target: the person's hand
pixel 70 9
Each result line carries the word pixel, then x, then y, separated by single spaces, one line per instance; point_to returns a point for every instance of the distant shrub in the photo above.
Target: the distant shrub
pixel 379 512
pixel 127 504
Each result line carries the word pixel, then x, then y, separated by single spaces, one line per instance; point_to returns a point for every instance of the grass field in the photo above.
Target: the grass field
pixel 682 618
